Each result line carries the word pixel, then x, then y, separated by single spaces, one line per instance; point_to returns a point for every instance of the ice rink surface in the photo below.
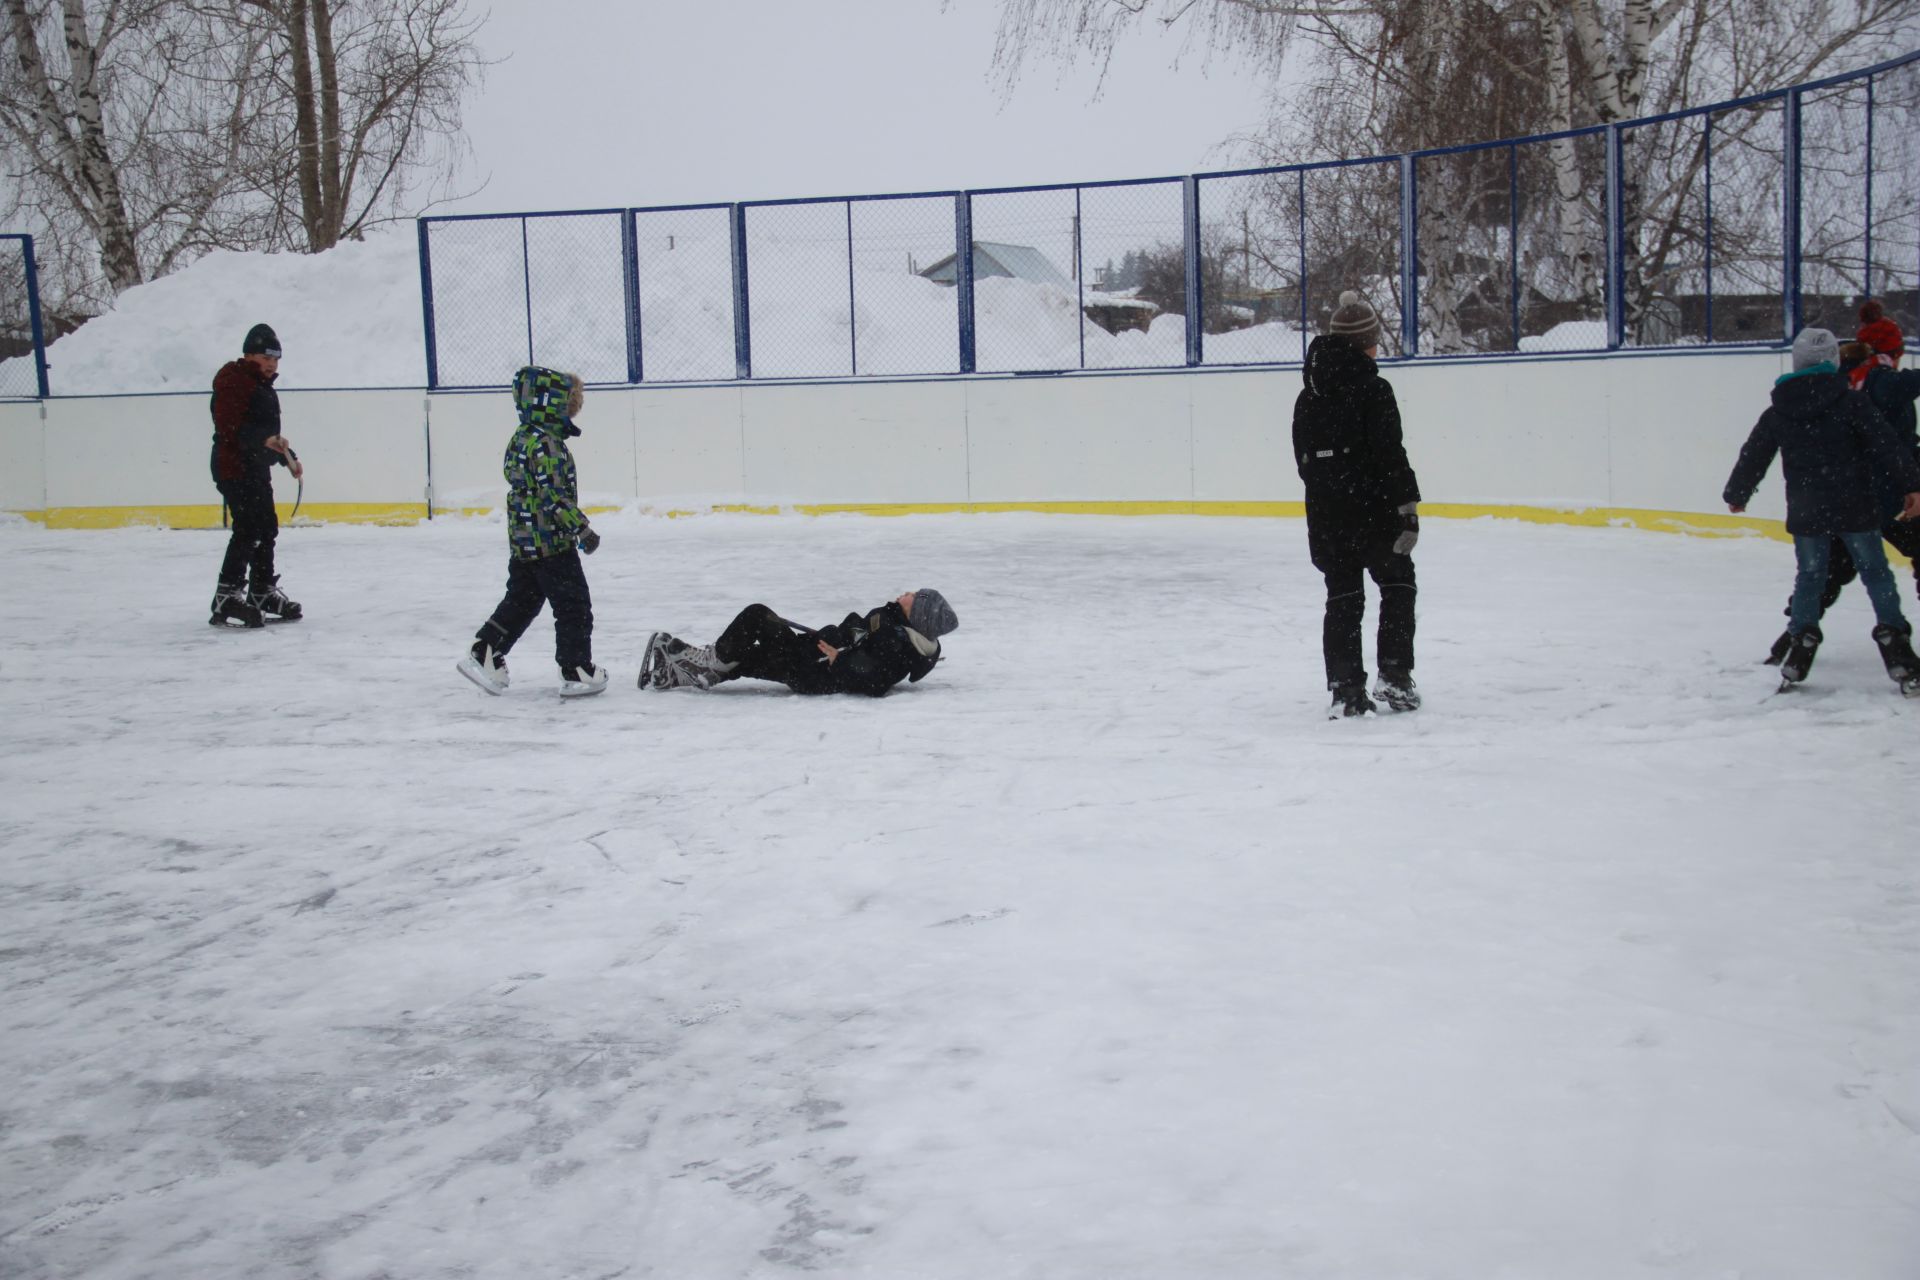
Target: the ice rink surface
pixel 1099 955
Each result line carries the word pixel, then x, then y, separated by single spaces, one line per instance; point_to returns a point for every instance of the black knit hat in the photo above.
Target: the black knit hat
pixel 261 341
pixel 932 616
pixel 1356 320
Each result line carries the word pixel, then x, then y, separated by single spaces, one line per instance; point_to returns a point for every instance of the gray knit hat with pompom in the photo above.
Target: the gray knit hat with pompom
pixel 1354 319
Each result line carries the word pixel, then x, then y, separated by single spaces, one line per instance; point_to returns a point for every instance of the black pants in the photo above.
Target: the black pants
pixel 1904 535
pixel 255 525
pixel 766 648
pixel 559 581
pixel 1347 609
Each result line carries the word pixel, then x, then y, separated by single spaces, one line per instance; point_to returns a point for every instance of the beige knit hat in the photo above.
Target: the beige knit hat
pixel 1356 320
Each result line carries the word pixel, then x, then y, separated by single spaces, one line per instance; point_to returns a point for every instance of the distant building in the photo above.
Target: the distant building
pixel 1018 261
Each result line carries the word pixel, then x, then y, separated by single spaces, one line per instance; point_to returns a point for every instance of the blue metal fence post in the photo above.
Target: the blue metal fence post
pixel 1196 288
pixel 630 263
pixel 1409 258
pixel 1616 240
pixel 853 332
pixel 1302 192
pixel 426 305
pixel 1079 281
pixel 1706 145
pixel 526 281
pixel 1866 277
pixel 1513 240
pixel 1790 219
pixel 963 277
pixel 742 338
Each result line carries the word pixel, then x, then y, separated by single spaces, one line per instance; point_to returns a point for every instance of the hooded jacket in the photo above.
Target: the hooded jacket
pixel 1347 446
pixel 1837 453
pixel 246 413
pixel 877 651
pixel 543 511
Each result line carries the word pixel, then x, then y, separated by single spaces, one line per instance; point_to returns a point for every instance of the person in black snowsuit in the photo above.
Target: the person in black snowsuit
pixel 1871 364
pixel 1362 508
pixel 1839 457
pixel 247 445
pixel 866 653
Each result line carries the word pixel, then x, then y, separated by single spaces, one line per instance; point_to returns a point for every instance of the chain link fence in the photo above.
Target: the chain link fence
pixel 1723 225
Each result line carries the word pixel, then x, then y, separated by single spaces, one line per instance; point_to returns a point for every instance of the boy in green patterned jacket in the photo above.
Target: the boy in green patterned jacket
pixel 546 533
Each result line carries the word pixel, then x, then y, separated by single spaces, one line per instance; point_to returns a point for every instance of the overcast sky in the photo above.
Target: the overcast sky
pixel 642 102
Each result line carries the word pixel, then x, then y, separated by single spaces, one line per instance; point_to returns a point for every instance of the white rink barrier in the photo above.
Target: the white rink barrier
pixel 1620 439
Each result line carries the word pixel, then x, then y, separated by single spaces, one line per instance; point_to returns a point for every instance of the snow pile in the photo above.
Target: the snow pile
pixel 346 318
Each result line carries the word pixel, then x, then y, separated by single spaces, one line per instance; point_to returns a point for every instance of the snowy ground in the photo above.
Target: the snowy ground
pixel 1100 954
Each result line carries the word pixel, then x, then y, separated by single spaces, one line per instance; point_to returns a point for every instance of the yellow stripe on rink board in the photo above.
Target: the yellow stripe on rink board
pixel 207 516
pixel 1698 524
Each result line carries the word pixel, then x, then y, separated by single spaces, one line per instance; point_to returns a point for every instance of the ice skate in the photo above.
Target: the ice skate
pixel 273 603
pixel 1896 650
pixel 484 667
pixel 582 681
pixel 1799 660
pixel 231 609
pixel 1779 651
pixel 653 663
pixel 1351 700
pixel 1397 690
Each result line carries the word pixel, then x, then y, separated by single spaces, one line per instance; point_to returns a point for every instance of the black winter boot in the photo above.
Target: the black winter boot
pixel 1799 659
pixel 1397 690
pixel 1351 700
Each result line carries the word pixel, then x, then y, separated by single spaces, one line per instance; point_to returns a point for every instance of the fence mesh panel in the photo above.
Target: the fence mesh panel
pixel 1664 170
pixel 1467 244
pixel 1133 256
pixel 576 298
pixel 1353 242
pixel 19 374
pixel 479 300
pixel 1749 193
pixel 1833 206
pixel 799 290
pixel 1896 195
pixel 683 263
pixel 1250 268
pixel 1561 191
pixel 1026 280
pixel 903 323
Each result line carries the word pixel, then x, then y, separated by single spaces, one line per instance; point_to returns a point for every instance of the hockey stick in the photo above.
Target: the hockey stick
pixel 299 483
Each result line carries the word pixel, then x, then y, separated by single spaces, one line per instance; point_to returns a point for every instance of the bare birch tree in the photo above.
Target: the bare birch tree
pixel 1390 76
pixel 139 134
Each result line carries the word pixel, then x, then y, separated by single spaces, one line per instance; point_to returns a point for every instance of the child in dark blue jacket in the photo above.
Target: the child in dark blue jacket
pixel 1838 455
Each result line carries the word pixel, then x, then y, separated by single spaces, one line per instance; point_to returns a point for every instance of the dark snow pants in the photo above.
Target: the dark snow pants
pixel 1346 575
pixel 255 525
pixel 556 580
pixel 765 648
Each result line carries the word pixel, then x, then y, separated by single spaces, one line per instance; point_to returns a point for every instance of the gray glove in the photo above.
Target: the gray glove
pixel 1409 530
pixel 589 542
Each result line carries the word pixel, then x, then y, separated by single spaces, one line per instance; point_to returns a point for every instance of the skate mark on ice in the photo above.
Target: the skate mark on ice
pixel 974 917
pixel 314 902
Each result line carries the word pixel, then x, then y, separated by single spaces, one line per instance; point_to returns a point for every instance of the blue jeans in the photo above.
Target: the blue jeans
pixel 1869 557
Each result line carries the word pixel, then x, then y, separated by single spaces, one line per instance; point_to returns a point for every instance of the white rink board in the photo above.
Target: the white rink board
pixel 1655 433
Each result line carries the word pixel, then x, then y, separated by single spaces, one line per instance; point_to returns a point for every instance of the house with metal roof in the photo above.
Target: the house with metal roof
pixel 1019 261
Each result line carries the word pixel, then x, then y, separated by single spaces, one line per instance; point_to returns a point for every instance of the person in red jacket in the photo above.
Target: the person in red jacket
pixel 247 445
